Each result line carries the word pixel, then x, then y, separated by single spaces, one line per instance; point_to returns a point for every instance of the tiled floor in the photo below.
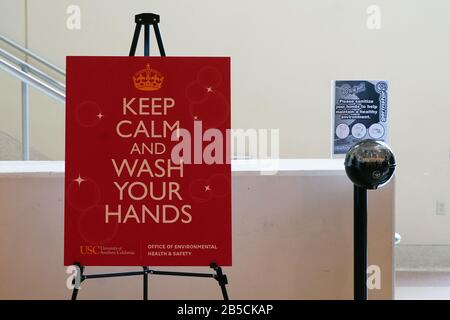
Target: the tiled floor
pixel 421 285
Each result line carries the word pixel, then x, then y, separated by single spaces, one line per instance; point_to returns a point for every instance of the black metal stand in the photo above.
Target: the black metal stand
pixel 147 19
pixel 360 243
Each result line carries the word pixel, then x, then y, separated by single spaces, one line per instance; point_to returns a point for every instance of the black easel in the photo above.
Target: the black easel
pixel 147 19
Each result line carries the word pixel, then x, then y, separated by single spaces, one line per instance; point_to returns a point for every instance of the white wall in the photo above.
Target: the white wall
pixel 284 54
pixel 12 25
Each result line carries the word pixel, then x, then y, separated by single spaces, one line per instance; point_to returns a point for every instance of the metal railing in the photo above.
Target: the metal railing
pixel 30 75
pixel 32 55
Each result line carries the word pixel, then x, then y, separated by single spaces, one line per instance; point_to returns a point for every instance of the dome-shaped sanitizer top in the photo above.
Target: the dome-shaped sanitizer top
pixel 370 164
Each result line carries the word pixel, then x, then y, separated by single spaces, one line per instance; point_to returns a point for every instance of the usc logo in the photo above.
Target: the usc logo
pixel 84 250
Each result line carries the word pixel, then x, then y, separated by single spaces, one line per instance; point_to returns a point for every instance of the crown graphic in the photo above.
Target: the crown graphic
pixel 148 79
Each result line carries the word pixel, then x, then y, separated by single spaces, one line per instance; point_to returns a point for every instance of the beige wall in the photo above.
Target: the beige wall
pixel 287 242
pixel 284 54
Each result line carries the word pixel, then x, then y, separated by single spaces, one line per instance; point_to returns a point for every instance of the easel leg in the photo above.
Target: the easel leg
pixel 77 282
pixel 74 293
pixel 145 283
pixel 146 40
pixel 221 279
pixel 159 40
pixel 137 31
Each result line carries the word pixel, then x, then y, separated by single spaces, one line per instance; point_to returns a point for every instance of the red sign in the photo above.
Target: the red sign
pixel 148 176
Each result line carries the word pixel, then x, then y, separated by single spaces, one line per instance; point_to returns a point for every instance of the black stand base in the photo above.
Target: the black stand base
pixel 360 243
pixel 218 276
